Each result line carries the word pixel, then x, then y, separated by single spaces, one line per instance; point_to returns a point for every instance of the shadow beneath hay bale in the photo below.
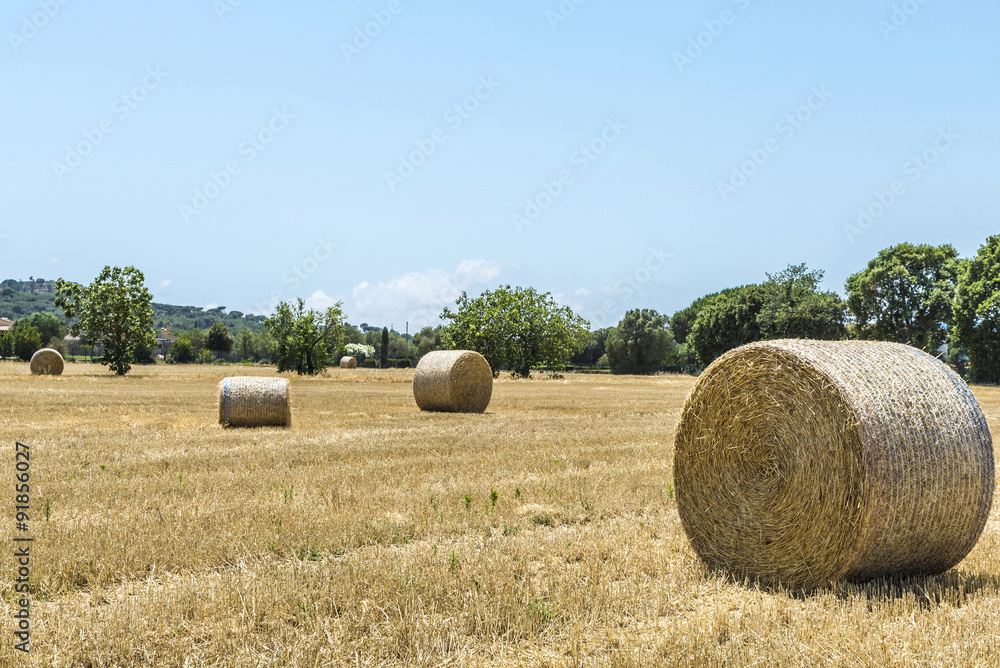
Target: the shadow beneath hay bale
pixel 953 588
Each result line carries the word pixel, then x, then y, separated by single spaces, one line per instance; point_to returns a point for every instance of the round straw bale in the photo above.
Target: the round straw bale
pixel 456 381
pixel 249 401
pixel 47 362
pixel 806 462
pixel 348 363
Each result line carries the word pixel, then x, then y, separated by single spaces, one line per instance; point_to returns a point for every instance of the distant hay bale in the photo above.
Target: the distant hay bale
pixel 348 363
pixel 248 401
pixel 456 381
pixel 806 462
pixel 47 362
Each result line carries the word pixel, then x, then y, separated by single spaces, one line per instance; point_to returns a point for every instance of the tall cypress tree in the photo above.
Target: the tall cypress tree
pixel 383 360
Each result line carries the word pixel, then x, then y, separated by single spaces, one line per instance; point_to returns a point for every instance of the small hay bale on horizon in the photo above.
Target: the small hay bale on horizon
pixel 454 381
pixel 348 363
pixel 47 362
pixel 808 462
pixel 253 401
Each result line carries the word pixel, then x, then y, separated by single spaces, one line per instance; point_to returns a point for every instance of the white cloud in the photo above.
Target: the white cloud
pixel 418 297
pixel 54 260
pixel 163 285
pixel 320 301
pixel 582 292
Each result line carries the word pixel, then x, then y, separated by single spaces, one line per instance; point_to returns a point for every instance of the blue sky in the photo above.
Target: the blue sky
pixel 618 155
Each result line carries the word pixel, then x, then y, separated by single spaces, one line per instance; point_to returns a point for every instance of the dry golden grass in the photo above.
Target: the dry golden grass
pixel 347 539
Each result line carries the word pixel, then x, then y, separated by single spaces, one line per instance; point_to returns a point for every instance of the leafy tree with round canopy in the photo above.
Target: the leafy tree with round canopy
pixel 977 311
pixel 795 308
pixel 219 338
pixel 515 328
pixel 905 295
pixel 182 352
pixel 27 340
pixel 115 310
pixel 728 321
pixel 305 339
pixel 639 343
pixel 682 321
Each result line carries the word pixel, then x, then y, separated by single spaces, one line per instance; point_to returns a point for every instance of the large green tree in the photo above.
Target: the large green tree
pixel 977 311
pixel 728 321
pixel 905 294
pixel 682 321
pixel 796 308
pixel 219 338
pixel 515 328
pixel 182 352
pixel 305 340
pixel 115 310
pixel 27 340
pixel 639 343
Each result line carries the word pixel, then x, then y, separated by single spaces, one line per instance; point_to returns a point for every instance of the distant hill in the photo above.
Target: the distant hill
pixel 19 299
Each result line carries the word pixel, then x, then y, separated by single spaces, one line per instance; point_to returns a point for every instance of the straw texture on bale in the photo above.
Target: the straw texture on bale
pixel 247 401
pixel 47 362
pixel 806 462
pixel 348 363
pixel 456 381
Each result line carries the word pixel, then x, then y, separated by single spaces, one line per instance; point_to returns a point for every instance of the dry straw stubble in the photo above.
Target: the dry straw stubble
pixel 805 462
pixel 456 381
pixel 246 401
pixel 47 362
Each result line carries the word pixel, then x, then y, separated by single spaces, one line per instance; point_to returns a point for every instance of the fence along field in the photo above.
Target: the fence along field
pixel 369 534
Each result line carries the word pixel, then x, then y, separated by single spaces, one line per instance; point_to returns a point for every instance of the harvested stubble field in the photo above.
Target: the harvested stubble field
pixel 366 535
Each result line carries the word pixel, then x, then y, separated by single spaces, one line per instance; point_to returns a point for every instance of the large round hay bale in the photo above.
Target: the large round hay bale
pixel 248 401
pixel 47 362
pixel 348 363
pixel 456 381
pixel 806 462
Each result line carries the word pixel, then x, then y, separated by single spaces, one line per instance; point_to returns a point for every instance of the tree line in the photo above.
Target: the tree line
pixel 925 296
pixel 922 295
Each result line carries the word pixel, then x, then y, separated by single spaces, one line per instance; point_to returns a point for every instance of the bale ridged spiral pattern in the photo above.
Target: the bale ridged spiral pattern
pixel 249 401
pixel 457 381
pixel 806 462
pixel 348 363
pixel 47 362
